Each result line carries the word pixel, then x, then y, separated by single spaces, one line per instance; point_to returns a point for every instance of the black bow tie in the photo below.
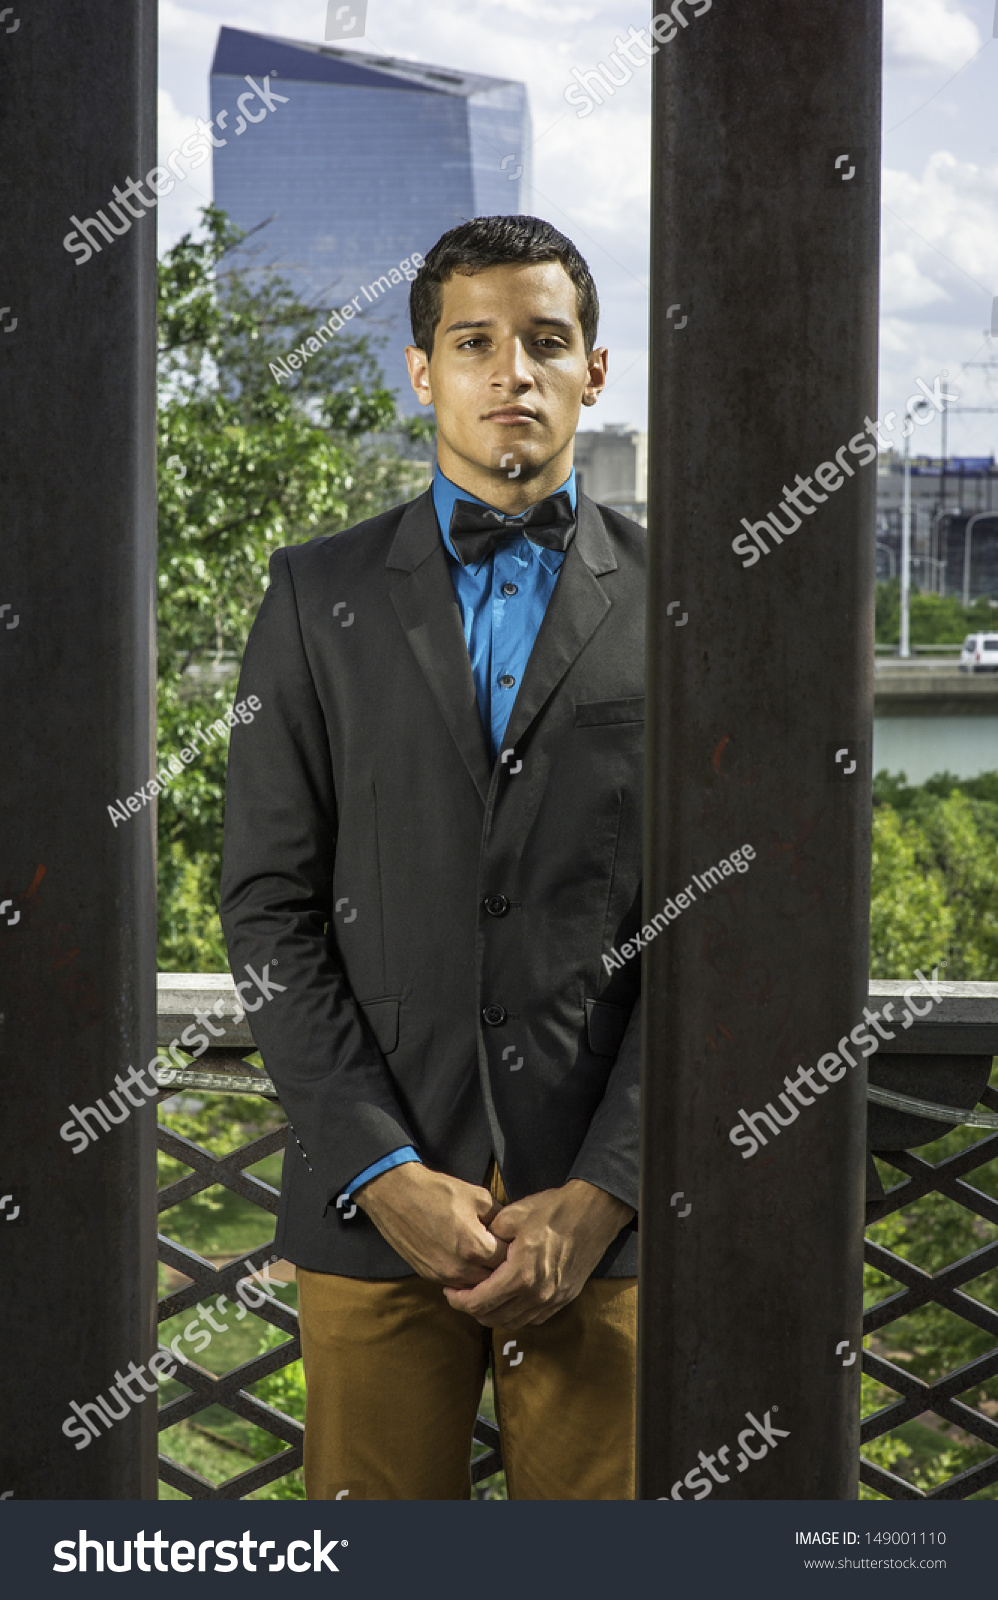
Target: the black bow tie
pixel 476 530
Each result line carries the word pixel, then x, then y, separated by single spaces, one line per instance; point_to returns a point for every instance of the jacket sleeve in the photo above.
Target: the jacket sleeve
pixel 277 907
pixel 609 1154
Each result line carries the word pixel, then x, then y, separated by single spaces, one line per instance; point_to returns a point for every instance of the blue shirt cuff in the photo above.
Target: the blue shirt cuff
pixel 398 1158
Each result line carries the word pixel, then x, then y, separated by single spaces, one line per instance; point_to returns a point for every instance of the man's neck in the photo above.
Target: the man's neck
pixel 495 486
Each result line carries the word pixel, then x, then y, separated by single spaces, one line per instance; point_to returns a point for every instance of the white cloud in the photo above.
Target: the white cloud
pixel 946 222
pixel 925 34
pixel 187 29
pixel 940 271
pixel 174 126
pixel 904 286
pixel 178 210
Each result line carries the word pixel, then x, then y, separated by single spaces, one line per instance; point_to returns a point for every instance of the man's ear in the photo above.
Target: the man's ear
pixel 597 364
pixel 419 373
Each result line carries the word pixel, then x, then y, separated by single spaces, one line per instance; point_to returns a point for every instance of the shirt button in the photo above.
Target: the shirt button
pixel 507 680
pixel 510 589
pixel 496 905
pixel 495 1016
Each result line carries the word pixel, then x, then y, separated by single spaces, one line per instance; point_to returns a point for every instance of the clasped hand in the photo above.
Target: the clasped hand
pixel 513 1265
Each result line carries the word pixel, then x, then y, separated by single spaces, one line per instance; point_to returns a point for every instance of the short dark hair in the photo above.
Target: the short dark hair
pixel 497 242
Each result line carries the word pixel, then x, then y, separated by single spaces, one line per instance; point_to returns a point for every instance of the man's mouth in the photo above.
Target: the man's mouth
pixel 510 414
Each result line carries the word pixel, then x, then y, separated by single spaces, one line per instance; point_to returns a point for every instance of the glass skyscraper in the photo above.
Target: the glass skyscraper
pixel 366 161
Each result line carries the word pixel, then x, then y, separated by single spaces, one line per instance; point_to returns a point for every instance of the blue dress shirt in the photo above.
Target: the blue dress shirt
pixel 502 602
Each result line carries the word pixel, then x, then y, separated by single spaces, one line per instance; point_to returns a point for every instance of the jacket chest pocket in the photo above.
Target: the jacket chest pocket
pixel 610 713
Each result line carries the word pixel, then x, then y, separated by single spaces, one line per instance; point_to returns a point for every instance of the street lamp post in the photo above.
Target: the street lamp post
pixel 968 537
pixel 908 428
pixel 905 645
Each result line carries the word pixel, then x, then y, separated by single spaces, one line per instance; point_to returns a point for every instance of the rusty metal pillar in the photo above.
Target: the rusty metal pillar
pixel 764 379
pixel 77 650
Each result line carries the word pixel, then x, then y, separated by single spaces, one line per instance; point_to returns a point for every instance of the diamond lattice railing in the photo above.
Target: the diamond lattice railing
pixel 180 996
pixel 230 1389
pixel 925 1184
pixel 921 1291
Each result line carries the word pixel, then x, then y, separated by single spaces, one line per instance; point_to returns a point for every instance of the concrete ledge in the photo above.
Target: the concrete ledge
pixel 964 1022
pixel 933 689
pixel 180 994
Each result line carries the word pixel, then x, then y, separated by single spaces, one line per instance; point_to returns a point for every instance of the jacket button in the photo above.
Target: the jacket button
pixel 495 1016
pixel 496 905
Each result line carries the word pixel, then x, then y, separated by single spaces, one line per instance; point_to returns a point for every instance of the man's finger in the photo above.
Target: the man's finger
pixel 499 1289
pixel 490 1251
pixel 507 1221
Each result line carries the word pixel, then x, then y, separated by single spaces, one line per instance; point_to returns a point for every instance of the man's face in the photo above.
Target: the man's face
pixel 509 370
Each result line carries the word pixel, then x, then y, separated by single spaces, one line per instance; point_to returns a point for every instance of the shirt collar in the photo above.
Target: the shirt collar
pixel 445 493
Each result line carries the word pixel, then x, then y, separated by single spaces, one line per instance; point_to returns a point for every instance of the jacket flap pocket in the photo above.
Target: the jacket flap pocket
pixel 595 713
pixel 383 1016
pixel 606 1026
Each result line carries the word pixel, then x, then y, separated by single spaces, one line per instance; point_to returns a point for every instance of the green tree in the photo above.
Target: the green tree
pixel 934 618
pixel 935 876
pixel 910 922
pixel 246 465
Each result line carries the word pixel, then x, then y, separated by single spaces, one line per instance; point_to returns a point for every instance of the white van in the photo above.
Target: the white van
pixel 979 653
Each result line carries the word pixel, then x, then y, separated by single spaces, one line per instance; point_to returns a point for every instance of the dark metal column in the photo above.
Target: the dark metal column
pixel 764 362
pixel 77 570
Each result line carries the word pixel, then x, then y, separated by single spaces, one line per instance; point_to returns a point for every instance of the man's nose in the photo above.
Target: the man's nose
pixel 512 366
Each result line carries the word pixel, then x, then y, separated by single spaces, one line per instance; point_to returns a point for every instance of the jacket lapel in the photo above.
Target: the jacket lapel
pixel 577 606
pixel 427 608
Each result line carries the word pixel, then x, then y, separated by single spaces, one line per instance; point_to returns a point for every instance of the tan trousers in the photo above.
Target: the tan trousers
pixel 394 1378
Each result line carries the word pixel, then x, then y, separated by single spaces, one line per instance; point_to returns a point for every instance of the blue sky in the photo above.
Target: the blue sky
pixel 591 175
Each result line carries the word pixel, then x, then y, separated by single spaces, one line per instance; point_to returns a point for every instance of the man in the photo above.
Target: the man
pixel 433 834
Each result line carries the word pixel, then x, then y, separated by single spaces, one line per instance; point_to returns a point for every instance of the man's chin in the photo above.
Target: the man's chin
pixel 513 459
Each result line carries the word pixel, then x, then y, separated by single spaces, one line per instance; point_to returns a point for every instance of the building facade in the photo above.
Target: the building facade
pixel 611 466
pixel 366 161
pixel 954 523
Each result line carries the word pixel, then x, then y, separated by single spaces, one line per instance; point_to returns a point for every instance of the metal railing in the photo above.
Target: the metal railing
pixel 945 1059
pixel 224 1070
pixel 923 1083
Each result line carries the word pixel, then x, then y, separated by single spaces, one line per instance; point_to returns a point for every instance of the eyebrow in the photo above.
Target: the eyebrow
pixel 537 322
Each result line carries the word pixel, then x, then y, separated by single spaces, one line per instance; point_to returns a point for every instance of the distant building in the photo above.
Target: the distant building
pixel 947 499
pixel 612 467
pixel 369 160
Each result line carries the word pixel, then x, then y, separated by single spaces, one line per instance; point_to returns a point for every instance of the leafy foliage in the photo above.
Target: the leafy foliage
pixel 246 465
pixel 910 922
pixel 935 876
pixel 934 618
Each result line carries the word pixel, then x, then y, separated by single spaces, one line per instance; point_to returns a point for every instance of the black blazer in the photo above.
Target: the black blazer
pixel 436 922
